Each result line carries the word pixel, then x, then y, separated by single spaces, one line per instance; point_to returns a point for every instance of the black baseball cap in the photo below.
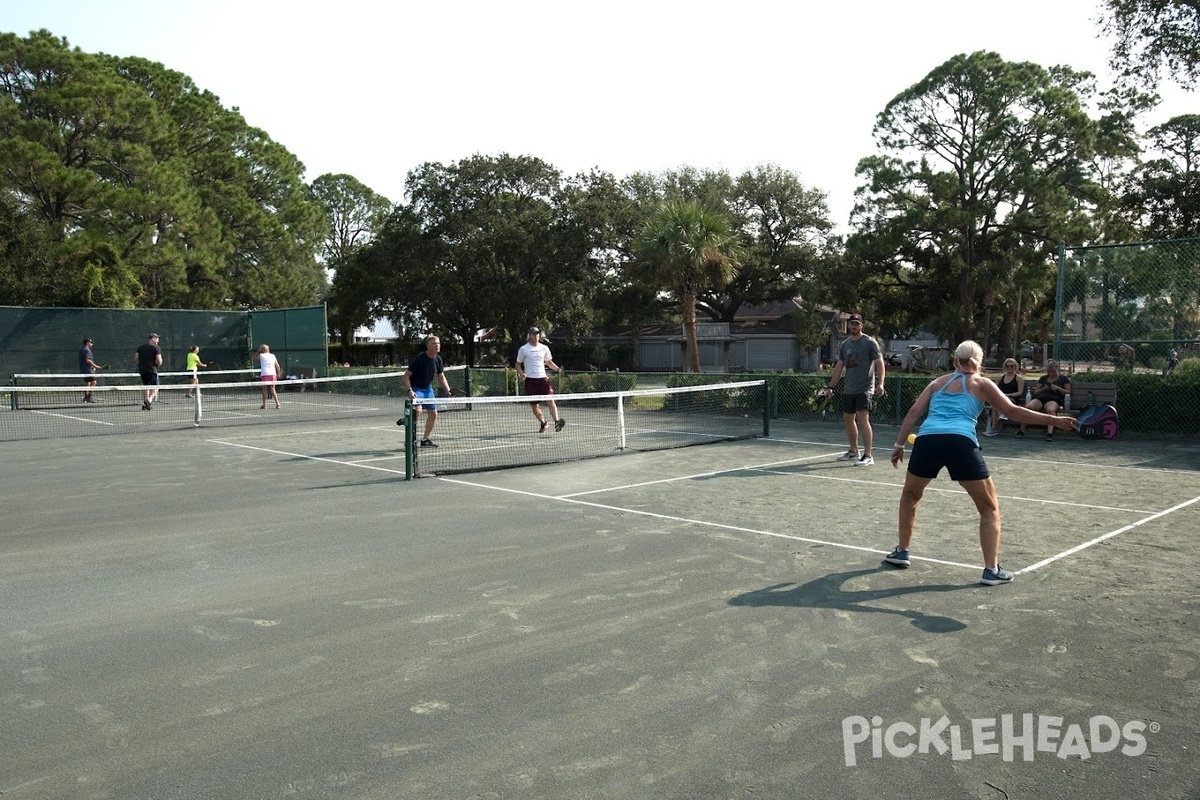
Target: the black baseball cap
pixel 854 318
pixel 154 336
pixel 534 329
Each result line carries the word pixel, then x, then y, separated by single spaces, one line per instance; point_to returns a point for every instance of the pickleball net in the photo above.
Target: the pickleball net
pixel 498 432
pixel 42 412
pixel 72 379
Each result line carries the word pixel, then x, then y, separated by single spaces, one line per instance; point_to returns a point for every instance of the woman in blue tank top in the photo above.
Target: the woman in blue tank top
pixel 951 405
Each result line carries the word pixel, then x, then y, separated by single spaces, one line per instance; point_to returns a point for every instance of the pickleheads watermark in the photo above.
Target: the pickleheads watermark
pixel 1008 736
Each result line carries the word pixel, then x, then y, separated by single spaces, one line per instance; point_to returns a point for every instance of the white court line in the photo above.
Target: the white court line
pixel 701 522
pixel 1108 535
pixel 358 464
pixel 706 523
pixel 306 433
pixel 354 462
pixel 994 457
pixel 689 477
pixel 72 416
pixel 932 488
pixel 763 468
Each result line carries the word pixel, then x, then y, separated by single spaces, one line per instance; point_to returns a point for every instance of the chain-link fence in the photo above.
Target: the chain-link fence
pixel 1129 314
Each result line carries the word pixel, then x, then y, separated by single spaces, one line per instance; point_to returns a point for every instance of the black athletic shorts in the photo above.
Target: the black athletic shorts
pixel 853 403
pixel 957 453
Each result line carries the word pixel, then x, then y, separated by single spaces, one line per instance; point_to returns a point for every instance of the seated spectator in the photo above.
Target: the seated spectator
pixel 1048 395
pixel 1013 386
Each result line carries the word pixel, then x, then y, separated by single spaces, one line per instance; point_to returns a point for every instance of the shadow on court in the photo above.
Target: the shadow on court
pixel 829 592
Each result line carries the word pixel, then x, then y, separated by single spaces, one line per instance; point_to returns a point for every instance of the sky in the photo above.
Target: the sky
pixel 373 89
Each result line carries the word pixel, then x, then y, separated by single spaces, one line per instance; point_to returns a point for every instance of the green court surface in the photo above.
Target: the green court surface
pixel 274 612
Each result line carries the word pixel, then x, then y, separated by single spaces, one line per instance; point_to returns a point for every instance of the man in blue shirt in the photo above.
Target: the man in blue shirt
pixel 418 381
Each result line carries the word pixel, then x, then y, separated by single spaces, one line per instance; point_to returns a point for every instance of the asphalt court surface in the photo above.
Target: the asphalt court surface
pixel 274 612
pixel 798 490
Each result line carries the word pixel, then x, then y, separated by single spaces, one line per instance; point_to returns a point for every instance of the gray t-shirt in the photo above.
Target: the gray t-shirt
pixel 858 360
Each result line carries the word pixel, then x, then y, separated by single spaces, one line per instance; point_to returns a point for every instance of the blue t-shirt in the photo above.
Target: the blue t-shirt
pixel 423 369
pixel 85 355
pixel 953 412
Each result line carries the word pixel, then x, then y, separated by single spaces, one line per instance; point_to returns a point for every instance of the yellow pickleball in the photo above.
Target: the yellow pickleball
pixel 912 437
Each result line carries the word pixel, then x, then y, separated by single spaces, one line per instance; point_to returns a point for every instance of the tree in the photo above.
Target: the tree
pixel 981 166
pixel 354 211
pixel 784 227
pixel 1165 196
pixel 354 214
pixel 685 249
pixel 1152 35
pixel 1166 191
pixel 494 241
pixel 133 171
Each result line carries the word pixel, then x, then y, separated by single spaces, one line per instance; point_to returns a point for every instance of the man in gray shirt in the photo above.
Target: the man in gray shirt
pixel 860 359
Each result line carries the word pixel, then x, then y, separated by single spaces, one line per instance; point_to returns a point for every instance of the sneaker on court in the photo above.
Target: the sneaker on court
pixel 849 455
pixel 542 429
pixel 1020 434
pixel 865 461
pixel 995 577
pixel 1049 437
pixel 145 405
pixel 560 424
pixel 427 443
pixel 991 433
pixel 401 422
pixel 898 556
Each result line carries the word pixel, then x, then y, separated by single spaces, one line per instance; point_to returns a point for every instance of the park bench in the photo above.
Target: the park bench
pixel 1083 394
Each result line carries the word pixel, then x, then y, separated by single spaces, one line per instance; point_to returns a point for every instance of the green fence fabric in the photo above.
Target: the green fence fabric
pixel 47 340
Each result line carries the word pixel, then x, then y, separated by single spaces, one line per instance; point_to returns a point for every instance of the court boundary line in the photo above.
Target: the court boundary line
pixel 932 488
pixel 305 456
pixel 764 469
pixel 1104 537
pixel 995 457
pixel 704 523
pixel 690 477
pixel 602 506
pixel 723 526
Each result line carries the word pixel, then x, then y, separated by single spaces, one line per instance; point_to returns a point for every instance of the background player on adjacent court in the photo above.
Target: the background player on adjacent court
pixel 88 367
pixel 269 372
pixel 148 359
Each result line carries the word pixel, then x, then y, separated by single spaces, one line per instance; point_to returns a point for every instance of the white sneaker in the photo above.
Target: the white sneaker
pixel 991 433
pixel 849 455
pixel 865 461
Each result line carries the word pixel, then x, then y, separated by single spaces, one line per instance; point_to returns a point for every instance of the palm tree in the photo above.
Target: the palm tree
pixel 685 249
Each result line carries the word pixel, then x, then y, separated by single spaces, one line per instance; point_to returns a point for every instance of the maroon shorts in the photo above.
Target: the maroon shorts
pixel 538 386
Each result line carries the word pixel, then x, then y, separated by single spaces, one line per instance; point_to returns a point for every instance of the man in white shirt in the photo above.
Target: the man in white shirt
pixel 532 360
